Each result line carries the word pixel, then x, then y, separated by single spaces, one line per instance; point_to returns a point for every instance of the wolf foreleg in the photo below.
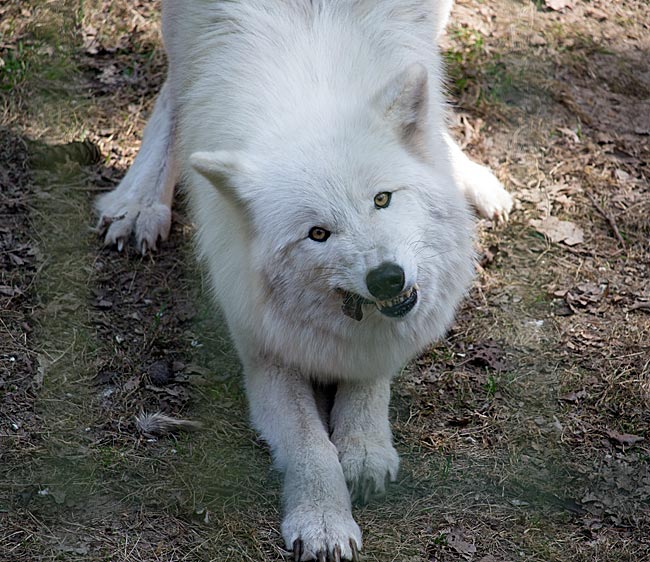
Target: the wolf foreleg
pixel 479 185
pixel 141 204
pixel 317 520
pixel 362 435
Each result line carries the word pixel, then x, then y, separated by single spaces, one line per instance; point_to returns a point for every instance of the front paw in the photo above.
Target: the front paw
pixel 487 194
pixel 119 219
pixel 368 462
pixel 321 532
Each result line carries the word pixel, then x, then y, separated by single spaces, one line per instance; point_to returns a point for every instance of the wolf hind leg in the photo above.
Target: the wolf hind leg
pixel 479 185
pixel 141 204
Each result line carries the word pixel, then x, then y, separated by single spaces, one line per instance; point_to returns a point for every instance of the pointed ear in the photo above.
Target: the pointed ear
pixel 219 167
pixel 404 101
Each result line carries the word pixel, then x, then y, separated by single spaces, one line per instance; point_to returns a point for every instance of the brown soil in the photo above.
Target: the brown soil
pixel 524 433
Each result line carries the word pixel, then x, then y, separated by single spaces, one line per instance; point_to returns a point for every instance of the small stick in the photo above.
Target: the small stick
pixel 609 218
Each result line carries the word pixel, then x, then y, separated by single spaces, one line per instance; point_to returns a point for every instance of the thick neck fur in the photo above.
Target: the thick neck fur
pixel 292 84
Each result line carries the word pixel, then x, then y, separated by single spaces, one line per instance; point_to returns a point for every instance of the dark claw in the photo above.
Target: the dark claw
pixel 297 550
pixel 355 551
pixel 337 554
pixel 105 222
pixel 322 557
pixel 103 225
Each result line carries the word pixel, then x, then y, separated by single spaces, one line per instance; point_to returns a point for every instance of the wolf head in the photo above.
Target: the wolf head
pixel 345 212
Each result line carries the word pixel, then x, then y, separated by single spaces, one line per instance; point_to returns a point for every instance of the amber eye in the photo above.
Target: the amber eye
pixel 382 200
pixel 319 234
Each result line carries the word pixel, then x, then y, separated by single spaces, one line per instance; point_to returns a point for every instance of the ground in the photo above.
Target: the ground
pixel 524 433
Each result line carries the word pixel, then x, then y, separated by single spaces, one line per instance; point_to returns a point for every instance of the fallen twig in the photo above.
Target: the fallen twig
pixel 609 218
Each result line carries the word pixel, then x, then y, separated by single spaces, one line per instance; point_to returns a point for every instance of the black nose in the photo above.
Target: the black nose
pixel 385 281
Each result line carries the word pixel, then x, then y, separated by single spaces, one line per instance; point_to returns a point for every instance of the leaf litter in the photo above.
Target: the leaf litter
pixel 559 230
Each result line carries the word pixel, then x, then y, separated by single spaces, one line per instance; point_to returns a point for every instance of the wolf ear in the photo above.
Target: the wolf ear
pixel 404 101
pixel 219 167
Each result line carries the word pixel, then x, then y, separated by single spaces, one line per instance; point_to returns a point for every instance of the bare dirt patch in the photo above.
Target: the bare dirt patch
pixel 524 434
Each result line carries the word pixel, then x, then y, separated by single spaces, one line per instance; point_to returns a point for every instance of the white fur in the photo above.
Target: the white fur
pixel 142 202
pixel 289 114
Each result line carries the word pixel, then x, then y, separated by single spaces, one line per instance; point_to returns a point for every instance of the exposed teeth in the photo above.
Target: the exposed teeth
pixel 397 300
pixel 398 307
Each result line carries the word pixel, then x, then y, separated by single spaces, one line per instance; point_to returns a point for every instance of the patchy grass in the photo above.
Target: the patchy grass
pixel 523 433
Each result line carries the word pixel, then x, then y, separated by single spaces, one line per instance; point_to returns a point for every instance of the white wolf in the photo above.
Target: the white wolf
pixel 329 203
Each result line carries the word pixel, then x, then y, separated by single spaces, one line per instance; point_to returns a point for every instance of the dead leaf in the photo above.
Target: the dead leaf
pixel 81 550
pixel 570 133
pixel 89 34
pixel 489 254
pixel 559 231
pixel 132 383
pixel 603 138
pixel 487 354
pixel 558 5
pixel 537 40
pixel 574 396
pixel 624 438
pixel 457 540
pixel 586 295
pixel 103 304
pixel 595 13
pixel 16 260
pixel 640 305
pixel 7 291
pixel 622 175
pixel 592 524
pixel 109 75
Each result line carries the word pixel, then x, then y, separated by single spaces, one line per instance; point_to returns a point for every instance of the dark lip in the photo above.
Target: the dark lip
pixel 352 305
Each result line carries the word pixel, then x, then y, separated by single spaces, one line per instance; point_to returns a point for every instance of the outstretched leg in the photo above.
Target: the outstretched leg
pixel 317 522
pixel 141 204
pixel 362 435
pixel 479 185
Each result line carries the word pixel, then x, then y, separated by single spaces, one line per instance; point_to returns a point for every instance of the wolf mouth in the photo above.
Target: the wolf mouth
pixel 401 305
pixel 398 307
